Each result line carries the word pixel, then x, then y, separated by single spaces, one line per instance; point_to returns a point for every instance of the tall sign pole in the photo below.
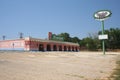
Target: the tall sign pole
pixel 102 15
pixel 103 42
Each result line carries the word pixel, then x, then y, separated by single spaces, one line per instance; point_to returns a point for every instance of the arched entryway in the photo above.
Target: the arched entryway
pixel 72 48
pixel 48 47
pixel 54 48
pixel 60 48
pixel 69 48
pixel 76 48
pixel 65 48
pixel 41 47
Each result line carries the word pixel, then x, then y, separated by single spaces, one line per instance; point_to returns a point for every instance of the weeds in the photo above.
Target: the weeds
pixel 116 73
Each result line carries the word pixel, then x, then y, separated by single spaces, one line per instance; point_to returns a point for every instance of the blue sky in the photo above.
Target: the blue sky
pixel 38 17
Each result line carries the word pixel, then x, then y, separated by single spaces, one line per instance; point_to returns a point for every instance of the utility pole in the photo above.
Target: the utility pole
pixel 21 35
pixel 3 37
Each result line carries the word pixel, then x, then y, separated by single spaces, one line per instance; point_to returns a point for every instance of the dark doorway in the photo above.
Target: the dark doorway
pixel 69 49
pixel 60 48
pixel 48 47
pixel 54 48
pixel 72 48
pixel 76 48
pixel 65 48
pixel 41 47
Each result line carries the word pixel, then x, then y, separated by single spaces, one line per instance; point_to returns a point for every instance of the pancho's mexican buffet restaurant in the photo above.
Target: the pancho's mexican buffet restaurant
pixel 35 44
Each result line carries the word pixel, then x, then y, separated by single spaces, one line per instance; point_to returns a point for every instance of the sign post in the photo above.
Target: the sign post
pixel 101 16
pixel 103 42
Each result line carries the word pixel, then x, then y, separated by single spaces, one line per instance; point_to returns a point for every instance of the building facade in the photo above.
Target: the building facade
pixel 34 44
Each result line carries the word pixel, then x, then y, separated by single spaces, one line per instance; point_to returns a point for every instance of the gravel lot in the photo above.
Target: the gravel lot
pixel 57 65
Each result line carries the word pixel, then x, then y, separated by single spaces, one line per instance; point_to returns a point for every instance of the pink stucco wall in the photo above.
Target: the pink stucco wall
pixel 12 44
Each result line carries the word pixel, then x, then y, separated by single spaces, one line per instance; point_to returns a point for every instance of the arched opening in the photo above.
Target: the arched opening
pixel 69 49
pixel 48 47
pixel 76 48
pixel 72 48
pixel 41 47
pixel 60 48
pixel 54 48
pixel 65 48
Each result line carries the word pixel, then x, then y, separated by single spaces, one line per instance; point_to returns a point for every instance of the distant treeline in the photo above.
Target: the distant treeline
pixel 92 42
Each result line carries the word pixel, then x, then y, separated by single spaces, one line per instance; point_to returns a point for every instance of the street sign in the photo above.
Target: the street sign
pixel 102 15
pixel 102 37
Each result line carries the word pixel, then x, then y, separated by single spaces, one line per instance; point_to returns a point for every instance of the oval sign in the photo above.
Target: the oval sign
pixel 102 14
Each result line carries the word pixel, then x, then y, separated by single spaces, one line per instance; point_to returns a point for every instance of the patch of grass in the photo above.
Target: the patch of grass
pixel 116 73
pixel 118 62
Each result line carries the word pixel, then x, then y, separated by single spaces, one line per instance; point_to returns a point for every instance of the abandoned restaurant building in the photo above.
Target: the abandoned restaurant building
pixel 34 44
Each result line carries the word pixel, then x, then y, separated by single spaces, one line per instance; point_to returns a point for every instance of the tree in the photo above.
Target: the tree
pixel 75 40
pixel 65 36
pixel 89 43
pixel 113 41
pixel 114 35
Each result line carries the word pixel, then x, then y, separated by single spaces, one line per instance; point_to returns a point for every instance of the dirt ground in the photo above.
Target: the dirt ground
pixel 57 65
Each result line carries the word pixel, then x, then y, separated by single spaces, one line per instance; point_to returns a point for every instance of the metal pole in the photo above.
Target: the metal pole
pixel 103 43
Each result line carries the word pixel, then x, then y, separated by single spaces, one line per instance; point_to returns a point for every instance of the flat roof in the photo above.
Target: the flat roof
pixel 51 41
pixel 42 40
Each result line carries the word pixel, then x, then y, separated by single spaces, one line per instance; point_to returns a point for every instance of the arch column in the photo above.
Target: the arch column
pixel 63 47
pixel 74 48
pixel 67 48
pixel 51 45
pixel 78 48
pixel 70 48
pixel 45 46
pixel 57 46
